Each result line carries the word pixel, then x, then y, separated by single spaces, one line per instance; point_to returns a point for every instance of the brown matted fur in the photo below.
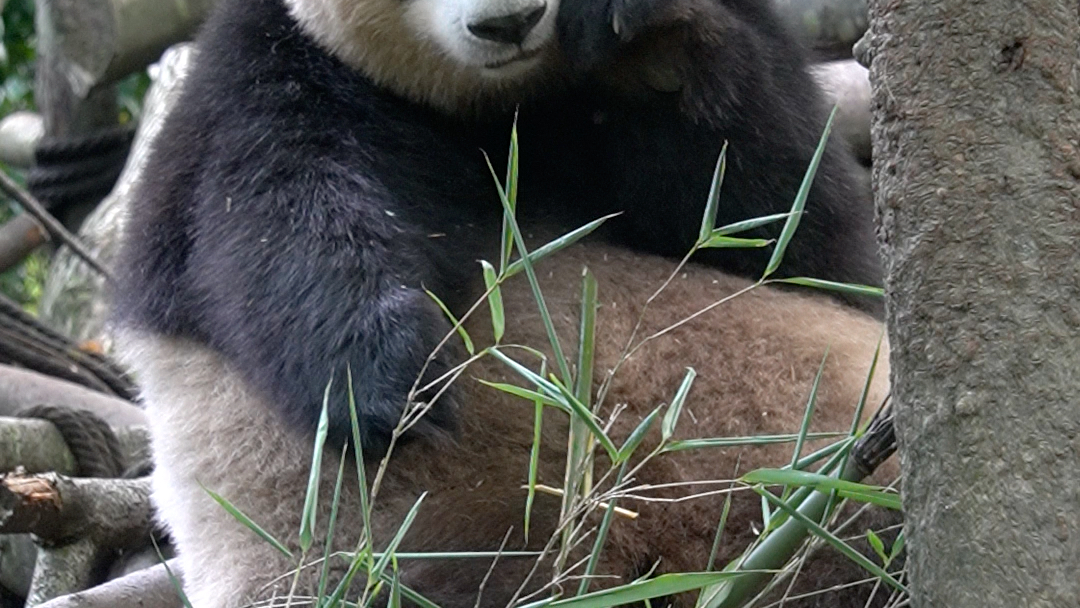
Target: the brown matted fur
pixel 756 358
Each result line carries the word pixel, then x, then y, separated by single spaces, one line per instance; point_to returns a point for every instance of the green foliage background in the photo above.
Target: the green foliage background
pixel 17 60
pixel 24 283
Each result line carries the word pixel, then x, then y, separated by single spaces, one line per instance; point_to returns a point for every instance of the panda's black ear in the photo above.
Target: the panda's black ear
pixel 591 32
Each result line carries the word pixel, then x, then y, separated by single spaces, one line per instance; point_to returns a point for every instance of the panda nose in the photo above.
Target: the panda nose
pixel 508 29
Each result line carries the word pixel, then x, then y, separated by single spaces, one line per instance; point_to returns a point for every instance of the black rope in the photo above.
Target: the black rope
pixel 80 168
pixel 91 440
pixel 27 342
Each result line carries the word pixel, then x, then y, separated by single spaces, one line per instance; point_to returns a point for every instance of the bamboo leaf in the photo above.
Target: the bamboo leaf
pixel 671 418
pixel 534 460
pixel 877 545
pixel 457 324
pixel 311 498
pixel 800 202
pixel 495 302
pixel 731 242
pixel 525 393
pixel 637 436
pixel 835 542
pixel 846 288
pixel 728 442
pixel 558 244
pixel 246 521
pixel 817 481
pixel 750 224
pixel 586 416
pixel 545 314
pixel 712 204
pixel 640 591
pixel 811 401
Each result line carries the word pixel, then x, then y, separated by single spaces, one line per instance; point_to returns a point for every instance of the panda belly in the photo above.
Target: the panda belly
pixel 756 357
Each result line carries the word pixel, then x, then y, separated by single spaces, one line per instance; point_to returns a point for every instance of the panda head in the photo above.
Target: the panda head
pixel 453 55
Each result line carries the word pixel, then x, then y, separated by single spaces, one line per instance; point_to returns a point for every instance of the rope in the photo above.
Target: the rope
pixel 91 440
pixel 72 169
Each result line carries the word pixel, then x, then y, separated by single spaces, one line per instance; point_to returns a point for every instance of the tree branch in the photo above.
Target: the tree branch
pixel 115 513
pixel 32 206
pixel 149 588
pixel 20 388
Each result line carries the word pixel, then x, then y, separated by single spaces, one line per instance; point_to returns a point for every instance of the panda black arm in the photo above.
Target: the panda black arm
pixel 310 272
pixel 680 79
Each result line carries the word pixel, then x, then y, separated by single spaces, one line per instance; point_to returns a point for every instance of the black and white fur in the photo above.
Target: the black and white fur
pixel 756 355
pixel 325 166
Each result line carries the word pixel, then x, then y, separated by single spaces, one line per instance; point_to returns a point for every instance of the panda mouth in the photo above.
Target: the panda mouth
pixel 522 56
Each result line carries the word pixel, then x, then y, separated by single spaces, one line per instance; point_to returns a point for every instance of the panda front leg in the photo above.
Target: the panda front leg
pixel 674 81
pixel 303 288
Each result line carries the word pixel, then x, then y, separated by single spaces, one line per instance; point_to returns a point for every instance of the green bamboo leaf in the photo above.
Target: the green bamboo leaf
pixel 719 531
pixel 311 498
pixel 800 202
pixel 551 390
pixel 414 597
pixel 846 288
pixel 712 204
pixel 173 579
pixel 581 412
pixel 361 471
pixel 525 393
pixel 640 591
pixel 728 442
pixel 881 498
pixel 534 283
pixel 671 418
pixel 534 460
pixel 495 302
pixel 897 546
pixel 636 437
pixel 865 394
pixel 586 338
pixel 808 413
pixel 324 574
pixel 830 538
pixel 443 555
pixel 601 537
pixel 457 324
pixel 731 242
pixel 558 244
pixel 382 562
pixel 246 521
pixel 877 545
pixel 507 246
pixel 816 456
pixel 817 481
pixel 395 590
pixel 378 571
pixel 750 224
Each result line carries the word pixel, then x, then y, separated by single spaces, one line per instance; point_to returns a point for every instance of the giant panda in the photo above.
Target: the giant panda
pixel 756 357
pixel 325 166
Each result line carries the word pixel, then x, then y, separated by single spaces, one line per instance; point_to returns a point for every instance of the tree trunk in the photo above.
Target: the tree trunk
pixel 976 165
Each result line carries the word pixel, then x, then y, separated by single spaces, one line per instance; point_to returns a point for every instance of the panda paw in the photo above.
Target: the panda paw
pixel 592 32
pixel 392 340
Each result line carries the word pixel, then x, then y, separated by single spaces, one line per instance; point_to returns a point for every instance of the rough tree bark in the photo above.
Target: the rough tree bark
pixel 976 164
